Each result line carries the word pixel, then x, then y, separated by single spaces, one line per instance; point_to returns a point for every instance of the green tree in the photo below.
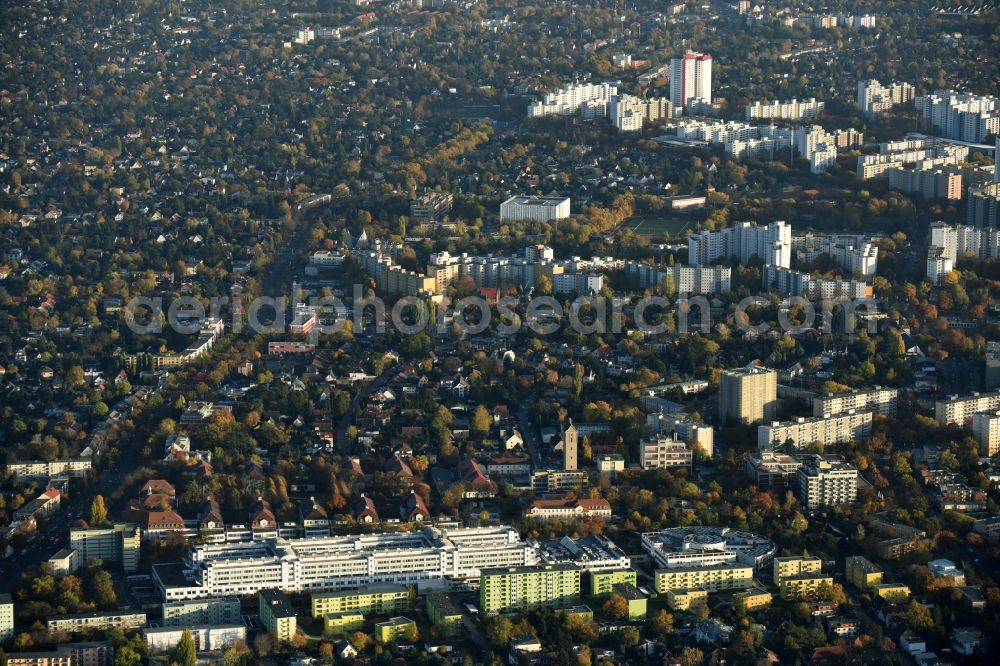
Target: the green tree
pixel 662 624
pixel 185 653
pixel 700 610
pixel 126 656
pixel 919 617
pixel 98 511
pixel 75 376
pixel 578 379
pixel 628 637
pixel 544 284
pixel 669 286
pixel 498 631
pixel 263 644
pixel 799 524
pixel 102 586
pixel 481 421
pixel 238 654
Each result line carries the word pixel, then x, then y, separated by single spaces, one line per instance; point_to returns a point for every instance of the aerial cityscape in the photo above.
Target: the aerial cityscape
pixel 499 332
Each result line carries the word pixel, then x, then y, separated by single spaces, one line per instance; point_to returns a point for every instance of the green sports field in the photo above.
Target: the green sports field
pixel 659 226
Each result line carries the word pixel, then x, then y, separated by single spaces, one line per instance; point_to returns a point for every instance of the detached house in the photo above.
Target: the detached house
pixel 313 516
pixel 474 479
pixel 413 509
pixel 262 520
pixel 211 517
pixel 365 511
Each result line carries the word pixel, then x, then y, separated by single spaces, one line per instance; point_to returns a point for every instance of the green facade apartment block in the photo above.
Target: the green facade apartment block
pixel 444 614
pixel 374 600
pixel 394 629
pixel 506 589
pixel 601 582
pixel 336 624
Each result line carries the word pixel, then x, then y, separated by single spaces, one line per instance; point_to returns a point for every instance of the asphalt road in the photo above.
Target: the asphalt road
pixel 345 420
pixel 529 432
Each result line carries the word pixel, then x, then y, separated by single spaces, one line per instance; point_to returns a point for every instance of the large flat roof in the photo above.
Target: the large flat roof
pixel 536 201
pixel 171 575
pixel 581 550
pixel 531 568
pixel 368 589
pixel 278 603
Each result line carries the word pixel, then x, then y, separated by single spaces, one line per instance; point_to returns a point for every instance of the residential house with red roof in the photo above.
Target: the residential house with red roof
pixel 365 511
pixel 314 519
pixel 413 509
pixel 568 509
pixel 263 522
pixel 474 478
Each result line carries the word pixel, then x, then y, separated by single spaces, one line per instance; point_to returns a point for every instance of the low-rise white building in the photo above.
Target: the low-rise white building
pixel 206 637
pixel 568 509
pixel 704 546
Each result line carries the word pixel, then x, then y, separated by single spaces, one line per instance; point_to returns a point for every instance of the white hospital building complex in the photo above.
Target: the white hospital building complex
pixel 431 558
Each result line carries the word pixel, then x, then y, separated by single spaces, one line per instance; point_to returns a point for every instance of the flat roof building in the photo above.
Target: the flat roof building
pixel 375 599
pixel 529 587
pixel 394 629
pixel 95 621
pixel 589 553
pixel 663 452
pixel 827 481
pixel 277 615
pixel 119 543
pixel 6 616
pixel 862 573
pixel 429 558
pixel 207 638
pixel 93 653
pixel 876 399
pixel 959 410
pixel 603 582
pixel 986 428
pixel 536 209
pixel 209 612
pixel 747 394
pixel 772 470
pixel 827 430
pixel 678 547
pixel 712 578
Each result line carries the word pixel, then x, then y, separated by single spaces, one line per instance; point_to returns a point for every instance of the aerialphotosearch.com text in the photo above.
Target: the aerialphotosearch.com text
pixel 543 315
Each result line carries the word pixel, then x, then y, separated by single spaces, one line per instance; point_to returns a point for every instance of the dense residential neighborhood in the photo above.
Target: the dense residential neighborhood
pixel 444 331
